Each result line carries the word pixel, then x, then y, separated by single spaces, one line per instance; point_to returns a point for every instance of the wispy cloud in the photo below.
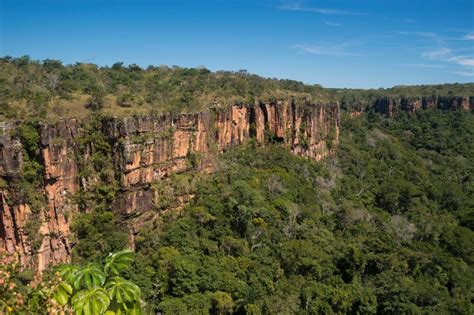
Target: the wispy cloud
pixel 296 6
pixel 333 24
pixel 426 35
pixel 444 52
pixel 423 65
pixel 422 34
pixel 328 11
pixel 466 61
pixel 466 36
pixel 465 73
pixel 449 55
pixel 469 36
pixel 437 53
pixel 331 49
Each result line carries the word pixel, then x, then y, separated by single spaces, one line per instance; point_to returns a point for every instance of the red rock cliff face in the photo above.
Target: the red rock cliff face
pixel 144 150
pixel 60 178
pixel 14 210
pixel 392 106
pixel 152 148
pixel 60 182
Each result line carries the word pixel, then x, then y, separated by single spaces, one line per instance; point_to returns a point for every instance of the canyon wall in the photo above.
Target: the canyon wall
pixel 391 106
pixel 35 218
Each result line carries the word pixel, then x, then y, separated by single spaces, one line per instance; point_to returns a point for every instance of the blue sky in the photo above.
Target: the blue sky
pixel 336 43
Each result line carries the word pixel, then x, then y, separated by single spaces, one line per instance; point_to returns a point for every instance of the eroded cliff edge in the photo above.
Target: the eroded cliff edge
pixel 141 150
pixel 391 106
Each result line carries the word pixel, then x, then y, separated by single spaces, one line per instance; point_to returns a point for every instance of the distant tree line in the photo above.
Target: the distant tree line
pixel 50 88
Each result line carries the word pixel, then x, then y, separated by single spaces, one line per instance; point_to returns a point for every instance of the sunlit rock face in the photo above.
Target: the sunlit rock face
pixel 148 149
pixel 393 106
pixel 17 216
pixel 144 150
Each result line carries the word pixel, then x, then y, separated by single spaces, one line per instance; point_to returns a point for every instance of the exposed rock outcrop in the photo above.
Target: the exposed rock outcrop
pixel 393 106
pixel 60 181
pixel 144 150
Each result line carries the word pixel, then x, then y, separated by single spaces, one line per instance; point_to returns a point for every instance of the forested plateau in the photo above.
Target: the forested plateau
pixel 171 190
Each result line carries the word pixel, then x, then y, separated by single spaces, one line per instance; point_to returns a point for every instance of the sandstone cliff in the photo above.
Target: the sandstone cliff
pixel 393 106
pixel 143 150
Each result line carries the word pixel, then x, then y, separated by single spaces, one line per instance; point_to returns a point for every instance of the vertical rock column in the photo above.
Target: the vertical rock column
pixel 14 212
pixel 61 182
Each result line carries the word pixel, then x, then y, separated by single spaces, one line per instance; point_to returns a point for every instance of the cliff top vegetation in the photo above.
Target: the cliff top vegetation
pixel 49 89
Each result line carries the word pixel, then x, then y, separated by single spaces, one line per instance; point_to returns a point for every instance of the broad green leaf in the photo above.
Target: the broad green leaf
pixel 66 272
pixel 88 277
pixel 116 263
pixel 91 301
pixel 136 310
pixel 122 290
pixel 62 293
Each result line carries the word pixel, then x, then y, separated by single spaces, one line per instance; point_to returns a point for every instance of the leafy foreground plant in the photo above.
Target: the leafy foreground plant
pixel 95 289
pixel 71 289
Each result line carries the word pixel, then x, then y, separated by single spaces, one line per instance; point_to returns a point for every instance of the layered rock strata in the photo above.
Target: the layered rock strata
pixel 393 106
pixel 144 150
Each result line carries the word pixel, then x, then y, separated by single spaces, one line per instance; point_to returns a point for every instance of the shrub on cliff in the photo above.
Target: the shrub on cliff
pixel 125 100
pixel 95 103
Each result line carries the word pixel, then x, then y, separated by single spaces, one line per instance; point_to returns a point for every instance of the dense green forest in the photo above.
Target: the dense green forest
pixel 49 89
pixel 385 227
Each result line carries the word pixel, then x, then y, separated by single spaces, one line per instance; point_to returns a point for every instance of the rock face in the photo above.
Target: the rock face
pixel 393 106
pixel 17 216
pixel 144 150
pixel 60 180
pixel 14 211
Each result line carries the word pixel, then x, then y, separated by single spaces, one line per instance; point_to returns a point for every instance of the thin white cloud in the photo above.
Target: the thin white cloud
pixel 422 34
pixel 333 24
pixel 469 36
pixel 445 53
pixel 292 6
pixel 463 60
pixel 423 65
pixel 437 54
pixel 427 35
pixel 465 73
pixel 331 49
pixel 328 11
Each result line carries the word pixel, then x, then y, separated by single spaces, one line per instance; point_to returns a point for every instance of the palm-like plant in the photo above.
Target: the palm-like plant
pixel 124 292
pixel 88 277
pixel 91 301
pixel 62 293
pixel 97 290
pixel 118 262
pixel 66 271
